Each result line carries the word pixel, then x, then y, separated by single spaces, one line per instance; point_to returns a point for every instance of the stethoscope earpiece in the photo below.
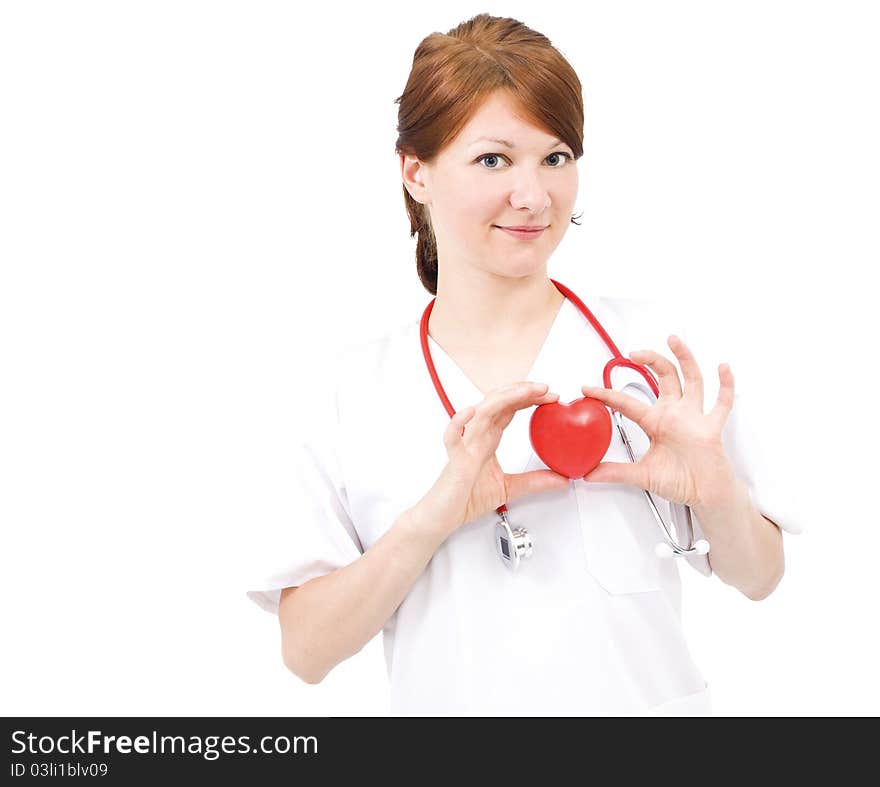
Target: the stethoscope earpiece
pixel 663 550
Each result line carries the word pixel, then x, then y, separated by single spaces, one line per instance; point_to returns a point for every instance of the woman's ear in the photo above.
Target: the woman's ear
pixel 412 172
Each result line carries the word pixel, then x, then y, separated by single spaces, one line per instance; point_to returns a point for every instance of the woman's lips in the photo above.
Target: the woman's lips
pixel 523 234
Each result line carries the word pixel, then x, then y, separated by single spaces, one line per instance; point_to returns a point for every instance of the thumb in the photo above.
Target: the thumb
pixel 520 484
pixel 614 473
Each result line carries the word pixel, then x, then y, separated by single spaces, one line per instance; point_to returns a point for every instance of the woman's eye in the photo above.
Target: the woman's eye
pixel 490 156
pixel 499 156
pixel 562 153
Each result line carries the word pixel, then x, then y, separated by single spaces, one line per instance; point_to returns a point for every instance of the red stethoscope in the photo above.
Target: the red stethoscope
pixel 572 439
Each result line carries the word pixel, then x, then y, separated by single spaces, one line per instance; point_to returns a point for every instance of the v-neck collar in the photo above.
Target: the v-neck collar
pixel 515 451
pixel 474 389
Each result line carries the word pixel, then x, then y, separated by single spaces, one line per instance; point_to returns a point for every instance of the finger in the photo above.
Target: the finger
pixel 455 428
pixel 520 391
pixel 616 473
pixel 631 407
pixel 520 484
pixel 667 374
pixel 497 409
pixel 693 377
pixel 505 401
pixel 724 403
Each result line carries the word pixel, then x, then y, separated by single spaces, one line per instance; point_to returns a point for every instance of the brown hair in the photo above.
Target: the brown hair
pixel 453 73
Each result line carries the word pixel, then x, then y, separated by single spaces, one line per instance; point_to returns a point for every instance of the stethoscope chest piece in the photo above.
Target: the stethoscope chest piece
pixel 513 544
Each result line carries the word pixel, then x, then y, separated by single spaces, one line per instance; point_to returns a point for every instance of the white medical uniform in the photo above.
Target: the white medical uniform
pixel 590 624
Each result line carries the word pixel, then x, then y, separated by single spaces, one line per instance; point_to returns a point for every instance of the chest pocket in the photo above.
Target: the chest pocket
pixel 618 529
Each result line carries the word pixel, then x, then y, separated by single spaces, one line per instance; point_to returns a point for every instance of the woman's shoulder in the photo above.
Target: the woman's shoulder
pixel 649 321
pixel 635 309
pixel 351 378
pixel 369 355
pixel 625 318
pixel 369 373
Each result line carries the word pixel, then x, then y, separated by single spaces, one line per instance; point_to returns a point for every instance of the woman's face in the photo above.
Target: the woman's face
pixel 476 186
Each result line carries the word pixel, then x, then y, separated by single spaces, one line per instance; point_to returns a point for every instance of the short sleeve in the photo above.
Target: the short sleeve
pixel 760 466
pixel 316 534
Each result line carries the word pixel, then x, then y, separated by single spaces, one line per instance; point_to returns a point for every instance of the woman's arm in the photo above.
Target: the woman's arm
pixel 330 618
pixel 747 550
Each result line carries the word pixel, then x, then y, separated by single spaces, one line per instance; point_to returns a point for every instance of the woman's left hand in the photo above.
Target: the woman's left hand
pixel 686 462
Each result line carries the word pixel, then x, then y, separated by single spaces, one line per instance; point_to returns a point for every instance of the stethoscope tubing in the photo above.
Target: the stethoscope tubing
pixel 671 543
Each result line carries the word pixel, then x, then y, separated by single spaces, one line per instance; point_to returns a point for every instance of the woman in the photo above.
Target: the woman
pixel 397 531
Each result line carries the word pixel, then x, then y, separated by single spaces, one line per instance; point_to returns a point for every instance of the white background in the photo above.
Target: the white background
pixel 201 203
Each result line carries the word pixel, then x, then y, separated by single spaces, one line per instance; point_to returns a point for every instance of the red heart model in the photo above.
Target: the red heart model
pixel 571 438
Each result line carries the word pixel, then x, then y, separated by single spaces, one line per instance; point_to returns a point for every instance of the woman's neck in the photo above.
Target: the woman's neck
pixel 484 311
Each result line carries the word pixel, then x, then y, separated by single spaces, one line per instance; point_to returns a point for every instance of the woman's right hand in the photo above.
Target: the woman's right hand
pixel 472 482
